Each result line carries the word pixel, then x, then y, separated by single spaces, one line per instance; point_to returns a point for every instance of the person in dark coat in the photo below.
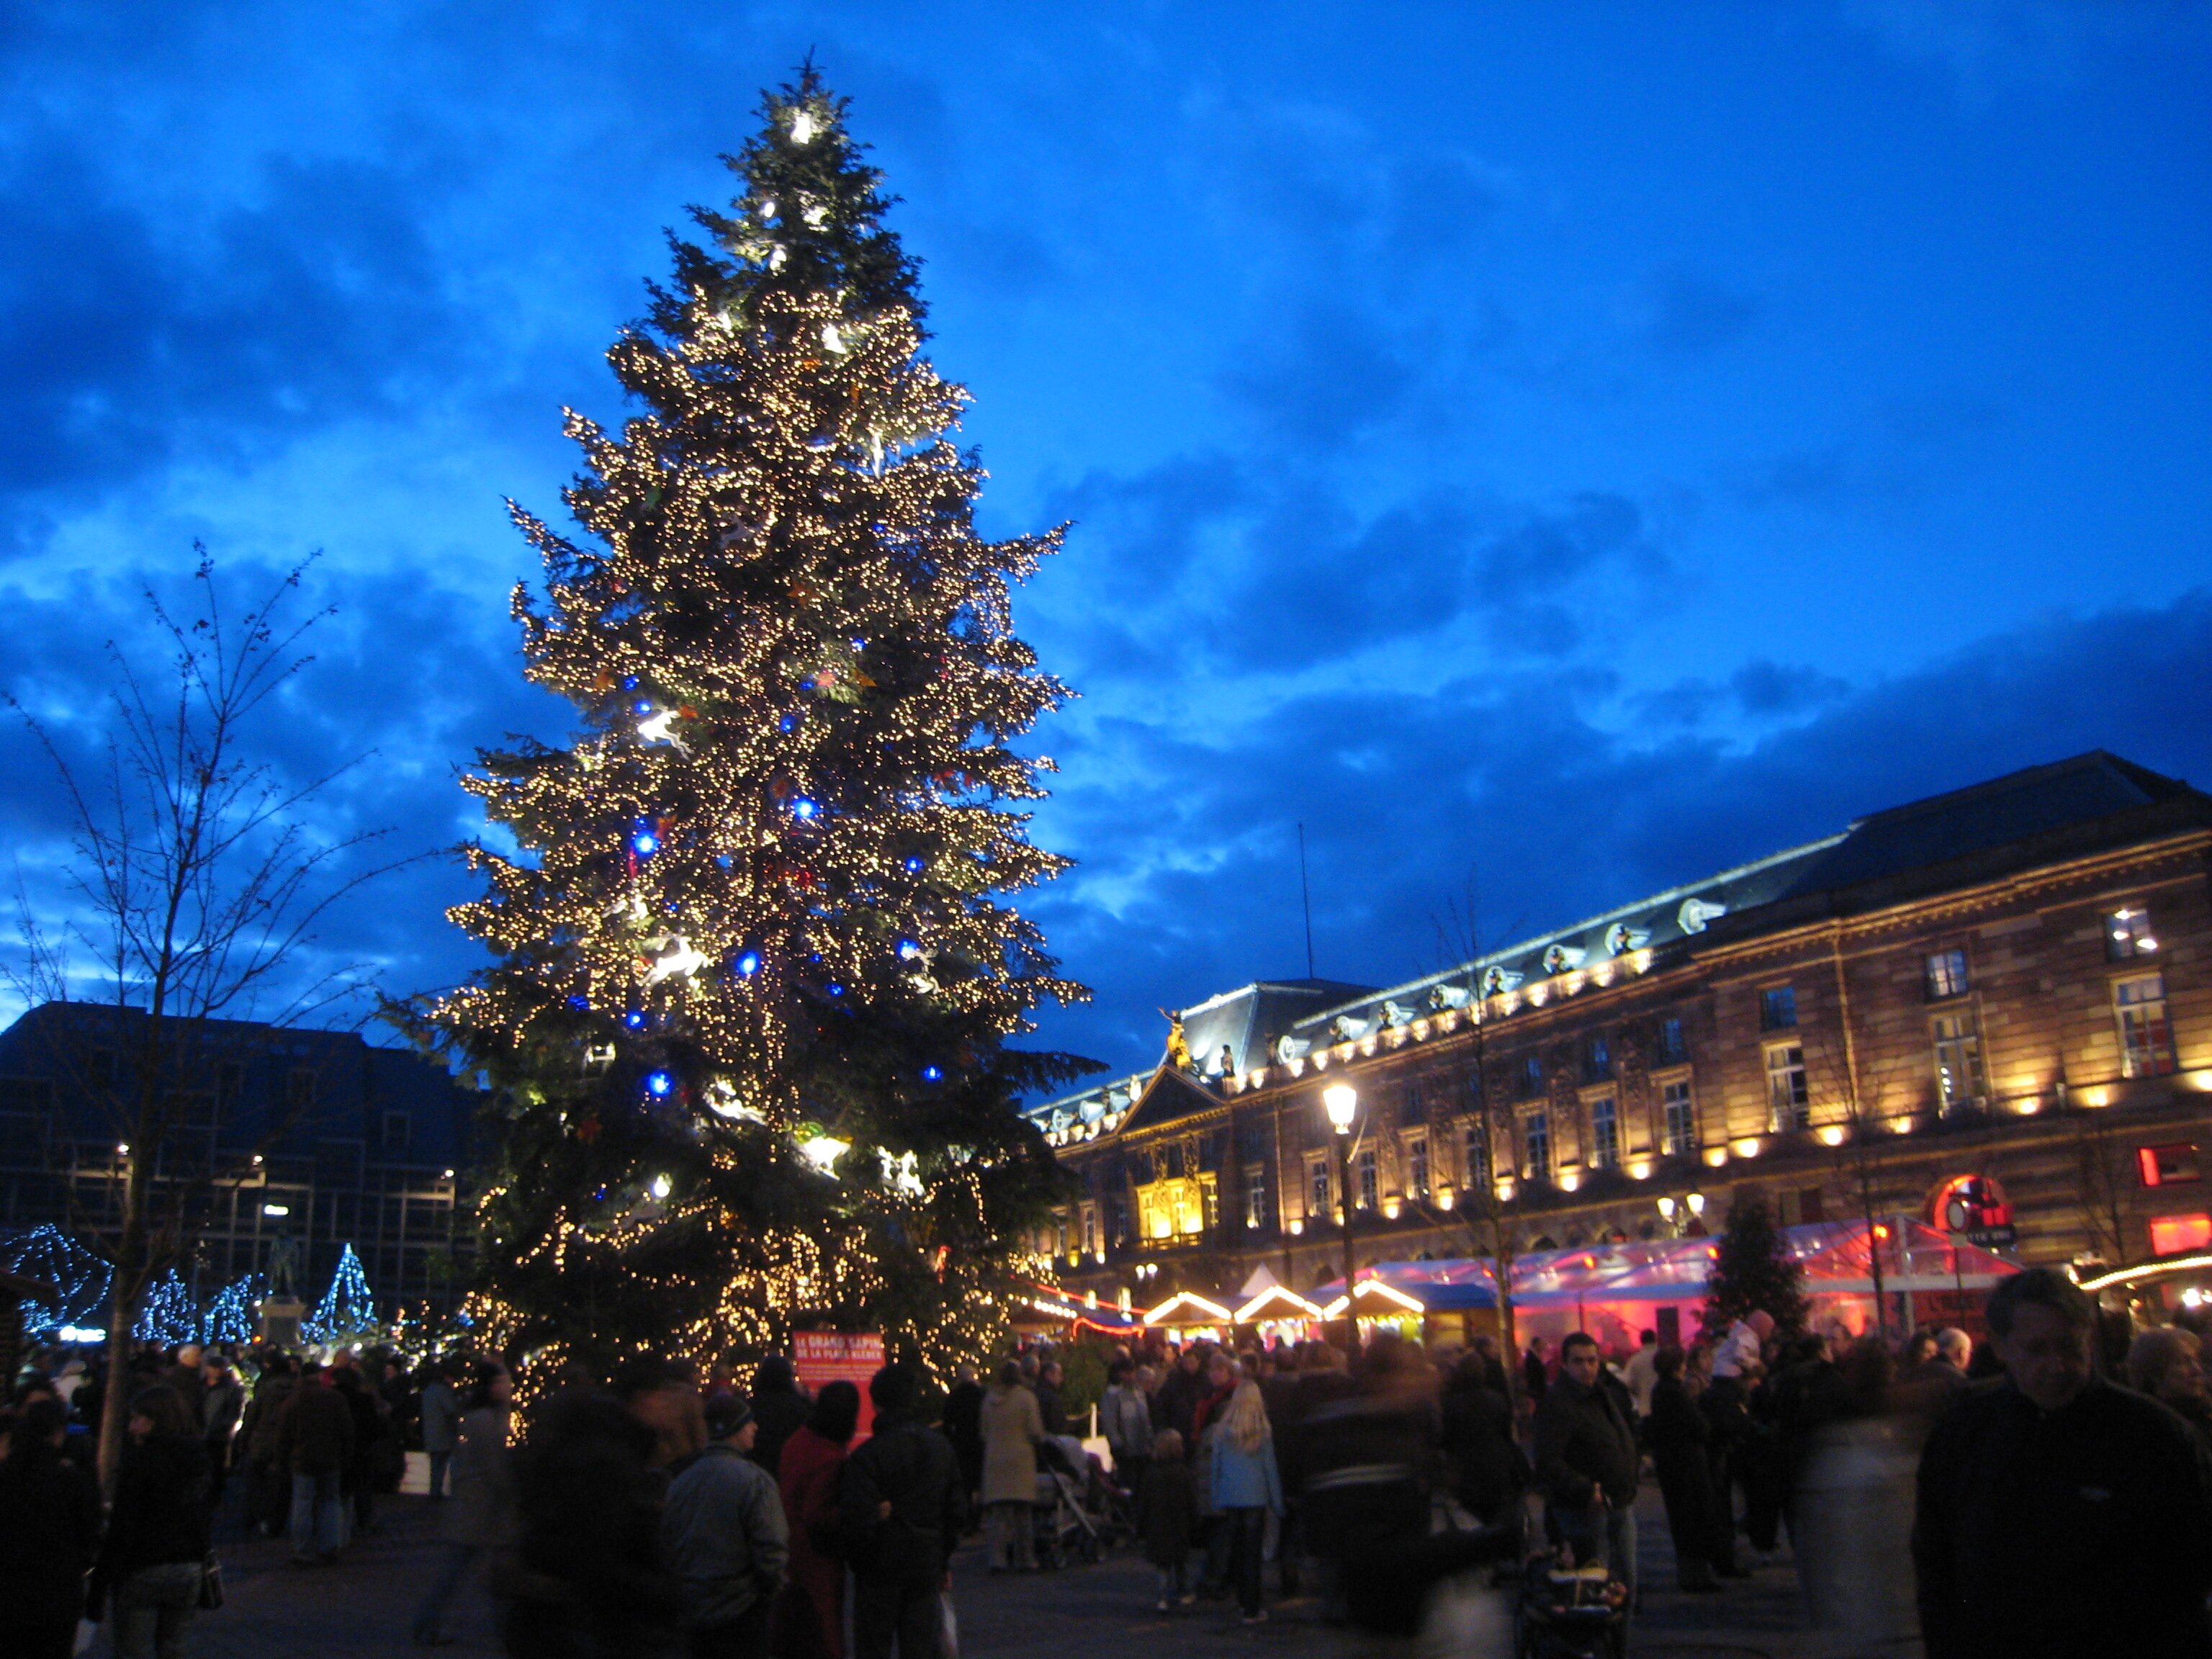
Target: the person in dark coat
pixel 1167 1518
pixel 589 1583
pixel 1050 1379
pixel 314 1441
pixel 779 1409
pixel 2058 1515
pixel 1489 1472
pixel 1587 1459
pixel 369 1429
pixel 963 1426
pixel 149 1564
pixel 268 1480
pixel 1680 1438
pixel 900 1507
pixel 49 1534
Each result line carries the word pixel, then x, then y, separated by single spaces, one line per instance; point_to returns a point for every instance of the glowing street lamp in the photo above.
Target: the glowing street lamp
pixel 1341 1101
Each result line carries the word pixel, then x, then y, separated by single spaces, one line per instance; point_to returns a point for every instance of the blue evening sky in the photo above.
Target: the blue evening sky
pixel 1580 447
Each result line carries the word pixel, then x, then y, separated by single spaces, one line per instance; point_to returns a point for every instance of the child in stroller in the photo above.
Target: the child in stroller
pixel 1565 1611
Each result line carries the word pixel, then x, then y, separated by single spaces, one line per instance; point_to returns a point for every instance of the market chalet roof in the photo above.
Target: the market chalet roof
pixel 2061 810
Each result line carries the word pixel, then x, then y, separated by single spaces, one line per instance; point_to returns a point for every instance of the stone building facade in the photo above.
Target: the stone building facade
pixel 1991 1010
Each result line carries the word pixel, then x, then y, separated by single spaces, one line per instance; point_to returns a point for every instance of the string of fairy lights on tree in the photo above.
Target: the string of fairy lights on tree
pixel 45 1255
pixel 169 1314
pixel 757 959
pixel 347 1310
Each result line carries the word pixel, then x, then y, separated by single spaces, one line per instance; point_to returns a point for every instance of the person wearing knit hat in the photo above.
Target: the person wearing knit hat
pixel 722 1531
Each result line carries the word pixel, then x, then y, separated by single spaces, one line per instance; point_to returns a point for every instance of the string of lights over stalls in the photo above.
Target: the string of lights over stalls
pixel 763 896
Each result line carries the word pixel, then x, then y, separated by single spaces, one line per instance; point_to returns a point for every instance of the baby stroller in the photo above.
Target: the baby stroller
pixel 1069 1526
pixel 1569 1613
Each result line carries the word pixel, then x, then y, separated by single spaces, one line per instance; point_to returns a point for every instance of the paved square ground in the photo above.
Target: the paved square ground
pixel 361 1608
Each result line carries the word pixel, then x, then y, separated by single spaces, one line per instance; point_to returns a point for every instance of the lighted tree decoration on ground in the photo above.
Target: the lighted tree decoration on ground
pixel 347 1312
pixel 169 1315
pixel 758 962
pixel 234 1314
pixel 1754 1268
pixel 47 1255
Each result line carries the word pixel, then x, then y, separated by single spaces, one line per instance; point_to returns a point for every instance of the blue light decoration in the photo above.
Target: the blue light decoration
pixel 933 1074
pixel 834 990
pixel 230 1316
pixel 629 682
pixel 170 1315
pixel 748 963
pixel 658 1084
pixel 634 1020
pixel 915 863
pixel 803 809
pixel 723 860
pixel 788 725
pixel 47 1255
pixel 348 1311
pixel 645 843
pixel 909 950
pixel 860 645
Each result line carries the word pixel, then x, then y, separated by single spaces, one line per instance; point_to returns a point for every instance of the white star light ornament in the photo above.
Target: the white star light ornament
pixel 803 126
pixel 902 1174
pixel 823 1151
pixel 675 957
pixel 722 1101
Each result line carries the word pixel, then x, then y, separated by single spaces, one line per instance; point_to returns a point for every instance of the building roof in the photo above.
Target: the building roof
pixel 2063 809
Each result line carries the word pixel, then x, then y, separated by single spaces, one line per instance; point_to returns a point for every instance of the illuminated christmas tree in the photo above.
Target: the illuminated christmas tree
pixel 757 960
pixel 233 1314
pixel 170 1314
pixel 347 1312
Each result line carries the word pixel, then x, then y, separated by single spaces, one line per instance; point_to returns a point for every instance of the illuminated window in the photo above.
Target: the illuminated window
pixel 1417 1166
pixel 1679 1130
pixel 1945 973
pixel 1789 1103
pixel 2178 1235
pixel 1674 1047
pixel 1256 1212
pixel 1958 1079
pixel 2146 1039
pixel 1365 1165
pixel 1778 1009
pixel 2167 1166
pixel 1536 1141
pixel 2127 935
pixel 1317 1186
pixel 1605 1134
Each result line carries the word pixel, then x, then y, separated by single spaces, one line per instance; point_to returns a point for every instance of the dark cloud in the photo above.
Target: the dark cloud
pixel 1896 455
pixel 121 332
pixel 1188 885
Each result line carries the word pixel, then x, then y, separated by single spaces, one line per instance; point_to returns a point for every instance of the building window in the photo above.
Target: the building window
pixel 1090 1229
pixel 1597 1061
pixel 2168 1166
pixel 1679 1131
pixel 1317 1186
pixel 2177 1235
pixel 1958 1077
pixel 1414 1101
pixel 1117 1212
pixel 1256 1212
pixel 299 1089
pixel 2127 935
pixel 1674 1047
pixel 1946 976
pixel 1532 1077
pixel 1789 1106
pixel 1417 1166
pixel 2146 1040
pixel 1171 1160
pixel 1605 1134
pixel 396 1132
pixel 1536 1141
pixel 1778 1009
pixel 1477 1154
pixel 1368 1196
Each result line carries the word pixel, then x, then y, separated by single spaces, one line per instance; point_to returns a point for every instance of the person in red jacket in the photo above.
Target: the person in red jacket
pixel 810 1617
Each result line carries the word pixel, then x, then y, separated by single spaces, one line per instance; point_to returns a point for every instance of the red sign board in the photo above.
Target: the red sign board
pixel 820 1357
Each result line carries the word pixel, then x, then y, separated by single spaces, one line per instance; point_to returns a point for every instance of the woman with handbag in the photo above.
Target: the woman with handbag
pixel 154 1561
pixel 810 1614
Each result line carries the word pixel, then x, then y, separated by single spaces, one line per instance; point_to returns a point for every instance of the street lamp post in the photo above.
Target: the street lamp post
pixel 1341 1101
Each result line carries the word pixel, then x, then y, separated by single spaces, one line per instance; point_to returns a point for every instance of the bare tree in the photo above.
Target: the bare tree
pixel 196 886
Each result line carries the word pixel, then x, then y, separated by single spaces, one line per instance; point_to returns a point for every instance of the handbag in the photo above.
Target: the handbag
pixel 210 1597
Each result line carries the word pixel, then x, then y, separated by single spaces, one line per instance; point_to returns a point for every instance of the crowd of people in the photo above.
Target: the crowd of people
pixel 2047 1491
